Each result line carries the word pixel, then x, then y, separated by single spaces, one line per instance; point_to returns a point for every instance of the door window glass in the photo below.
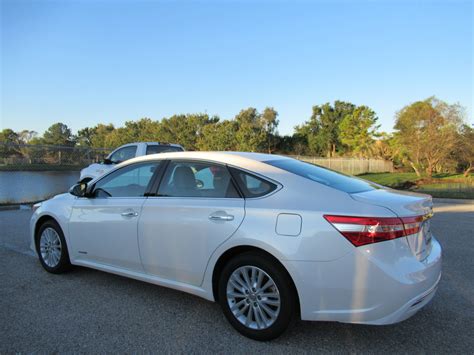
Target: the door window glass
pixel 251 185
pixel 123 154
pixel 130 181
pixel 195 179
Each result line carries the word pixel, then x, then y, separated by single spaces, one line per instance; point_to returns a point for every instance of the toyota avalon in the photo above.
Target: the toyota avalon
pixel 270 238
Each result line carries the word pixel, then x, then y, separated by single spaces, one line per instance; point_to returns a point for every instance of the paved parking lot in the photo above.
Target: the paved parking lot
pixel 91 311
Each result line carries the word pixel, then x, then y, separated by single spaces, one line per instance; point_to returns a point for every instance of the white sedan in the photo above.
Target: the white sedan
pixel 270 238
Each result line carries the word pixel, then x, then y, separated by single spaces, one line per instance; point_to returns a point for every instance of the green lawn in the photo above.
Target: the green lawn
pixel 390 179
pixel 440 185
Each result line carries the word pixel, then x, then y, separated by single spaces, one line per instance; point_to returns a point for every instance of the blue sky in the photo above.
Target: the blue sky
pixel 84 62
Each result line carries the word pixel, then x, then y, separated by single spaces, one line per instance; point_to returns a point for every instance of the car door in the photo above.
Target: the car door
pixel 196 209
pixel 103 227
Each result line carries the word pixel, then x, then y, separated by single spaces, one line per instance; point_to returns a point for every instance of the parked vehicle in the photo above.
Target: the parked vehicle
pixel 268 237
pixel 125 152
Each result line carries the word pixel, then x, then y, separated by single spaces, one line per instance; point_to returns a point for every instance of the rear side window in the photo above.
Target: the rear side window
pixel 323 176
pixel 252 185
pixel 197 179
pixel 154 149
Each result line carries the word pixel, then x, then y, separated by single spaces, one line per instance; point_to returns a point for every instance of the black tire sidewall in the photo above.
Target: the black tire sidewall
pixel 64 262
pixel 285 287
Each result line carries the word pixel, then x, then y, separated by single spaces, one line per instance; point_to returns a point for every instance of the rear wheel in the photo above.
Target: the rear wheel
pixel 257 296
pixel 51 248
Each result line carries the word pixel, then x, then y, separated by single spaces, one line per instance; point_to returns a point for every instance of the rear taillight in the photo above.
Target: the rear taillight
pixel 366 230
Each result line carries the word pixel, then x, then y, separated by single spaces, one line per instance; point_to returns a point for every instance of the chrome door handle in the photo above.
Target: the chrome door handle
pixel 129 214
pixel 221 217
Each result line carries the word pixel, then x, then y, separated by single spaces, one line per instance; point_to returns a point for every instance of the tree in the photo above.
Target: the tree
pixel 9 138
pixel 84 136
pixel 270 124
pixel 294 144
pixel 322 129
pixel 26 136
pixel 95 136
pixel 357 131
pixel 250 133
pixel 426 133
pixel 184 129
pixel 219 136
pixel 59 134
pixel 383 147
pixel 464 153
pixel 145 129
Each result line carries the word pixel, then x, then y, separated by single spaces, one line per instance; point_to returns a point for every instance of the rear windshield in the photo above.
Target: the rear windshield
pixel 322 175
pixel 154 149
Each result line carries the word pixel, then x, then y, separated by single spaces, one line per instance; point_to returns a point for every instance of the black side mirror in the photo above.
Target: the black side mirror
pixel 78 189
pixel 107 161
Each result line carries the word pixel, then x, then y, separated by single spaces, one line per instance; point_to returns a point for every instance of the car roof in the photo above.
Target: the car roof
pixel 162 143
pixel 235 158
pixel 152 143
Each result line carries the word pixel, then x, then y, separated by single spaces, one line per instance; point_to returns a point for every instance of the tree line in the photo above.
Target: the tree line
pixel 429 135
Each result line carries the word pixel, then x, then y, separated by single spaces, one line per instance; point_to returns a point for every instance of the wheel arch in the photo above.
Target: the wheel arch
pixel 236 250
pixel 43 219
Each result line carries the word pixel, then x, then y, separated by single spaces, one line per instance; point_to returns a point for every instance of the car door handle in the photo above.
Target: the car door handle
pixel 221 217
pixel 129 214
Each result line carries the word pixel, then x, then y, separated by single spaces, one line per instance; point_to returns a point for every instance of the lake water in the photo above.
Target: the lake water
pixel 29 186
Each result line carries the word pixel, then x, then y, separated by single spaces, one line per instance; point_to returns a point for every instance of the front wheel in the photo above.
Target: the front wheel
pixel 257 296
pixel 51 248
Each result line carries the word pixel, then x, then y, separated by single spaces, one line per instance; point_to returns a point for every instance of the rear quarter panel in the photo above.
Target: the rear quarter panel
pixel 318 240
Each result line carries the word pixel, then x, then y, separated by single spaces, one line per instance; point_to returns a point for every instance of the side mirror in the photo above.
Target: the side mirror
pixel 107 161
pixel 78 189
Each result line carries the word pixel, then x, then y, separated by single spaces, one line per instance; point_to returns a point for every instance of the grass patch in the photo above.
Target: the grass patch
pixel 390 179
pixel 439 185
pixel 450 190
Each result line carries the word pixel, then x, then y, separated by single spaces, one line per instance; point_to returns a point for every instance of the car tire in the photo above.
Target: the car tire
pixel 266 308
pixel 51 248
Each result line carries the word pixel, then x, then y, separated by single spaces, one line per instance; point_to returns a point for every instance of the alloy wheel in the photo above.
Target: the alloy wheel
pixel 253 297
pixel 50 247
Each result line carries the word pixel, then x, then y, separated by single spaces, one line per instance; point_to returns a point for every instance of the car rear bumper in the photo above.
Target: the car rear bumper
pixel 381 283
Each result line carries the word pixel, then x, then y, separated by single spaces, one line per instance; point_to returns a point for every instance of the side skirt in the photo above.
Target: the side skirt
pixel 197 291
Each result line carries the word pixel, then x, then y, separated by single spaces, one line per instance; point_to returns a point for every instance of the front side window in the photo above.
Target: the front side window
pixel 154 149
pixel 130 181
pixel 123 154
pixel 323 176
pixel 197 179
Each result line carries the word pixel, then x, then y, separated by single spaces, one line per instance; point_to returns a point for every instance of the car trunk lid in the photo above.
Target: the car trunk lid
pixel 405 205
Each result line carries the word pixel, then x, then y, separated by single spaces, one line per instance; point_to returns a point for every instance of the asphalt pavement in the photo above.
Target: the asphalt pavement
pixel 91 311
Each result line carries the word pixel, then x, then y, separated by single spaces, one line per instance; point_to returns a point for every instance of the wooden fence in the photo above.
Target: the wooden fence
pixel 351 166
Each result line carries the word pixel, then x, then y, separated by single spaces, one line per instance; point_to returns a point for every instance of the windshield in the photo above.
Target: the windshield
pixel 323 176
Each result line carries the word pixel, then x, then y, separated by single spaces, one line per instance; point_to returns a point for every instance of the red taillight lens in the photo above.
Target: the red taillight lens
pixel 412 224
pixel 366 230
